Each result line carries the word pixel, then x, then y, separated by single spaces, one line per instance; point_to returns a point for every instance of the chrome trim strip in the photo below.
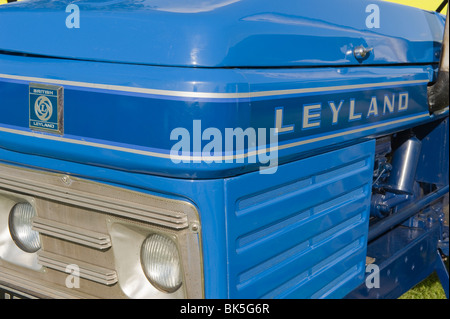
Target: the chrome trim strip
pixel 208 95
pixel 17 292
pixel 71 233
pixel 38 288
pixel 334 88
pixel 84 143
pixel 222 158
pixel 362 129
pixel 87 271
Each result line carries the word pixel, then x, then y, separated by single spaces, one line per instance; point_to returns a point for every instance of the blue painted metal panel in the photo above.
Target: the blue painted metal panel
pixel 405 256
pixel 222 33
pixel 122 116
pixel 433 168
pixel 303 233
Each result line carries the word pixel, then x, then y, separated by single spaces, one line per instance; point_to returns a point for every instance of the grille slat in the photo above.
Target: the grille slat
pixel 71 233
pixel 88 271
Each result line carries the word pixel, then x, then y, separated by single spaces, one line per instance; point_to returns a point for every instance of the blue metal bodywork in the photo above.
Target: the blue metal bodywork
pixel 301 232
pixel 222 33
pixel 134 134
pixel 236 229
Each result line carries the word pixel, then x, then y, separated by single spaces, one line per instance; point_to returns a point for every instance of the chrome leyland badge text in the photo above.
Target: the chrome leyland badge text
pixel 46 108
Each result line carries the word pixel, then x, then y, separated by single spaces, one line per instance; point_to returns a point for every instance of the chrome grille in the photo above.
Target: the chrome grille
pixel 74 219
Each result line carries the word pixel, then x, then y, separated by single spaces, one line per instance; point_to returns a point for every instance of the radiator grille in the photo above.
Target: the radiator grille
pixel 74 220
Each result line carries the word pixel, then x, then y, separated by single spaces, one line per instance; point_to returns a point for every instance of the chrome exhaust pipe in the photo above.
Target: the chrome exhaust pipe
pixel 438 92
pixel 404 165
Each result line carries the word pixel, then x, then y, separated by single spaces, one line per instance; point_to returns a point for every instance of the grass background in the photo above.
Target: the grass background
pixel 430 288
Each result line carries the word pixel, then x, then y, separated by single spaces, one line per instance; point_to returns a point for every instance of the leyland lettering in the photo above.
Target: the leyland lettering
pixel 357 110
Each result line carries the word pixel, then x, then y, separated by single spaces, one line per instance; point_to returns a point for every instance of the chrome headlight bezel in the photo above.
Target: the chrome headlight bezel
pixel 160 260
pixel 127 238
pixel 20 227
pixel 10 251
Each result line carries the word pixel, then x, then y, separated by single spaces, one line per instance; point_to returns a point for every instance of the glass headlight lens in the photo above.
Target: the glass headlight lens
pixel 161 262
pixel 20 219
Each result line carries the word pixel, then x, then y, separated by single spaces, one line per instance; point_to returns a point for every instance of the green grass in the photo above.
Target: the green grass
pixel 430 288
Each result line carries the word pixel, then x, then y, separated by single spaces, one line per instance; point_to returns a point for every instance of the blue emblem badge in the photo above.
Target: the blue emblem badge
pixel 46 108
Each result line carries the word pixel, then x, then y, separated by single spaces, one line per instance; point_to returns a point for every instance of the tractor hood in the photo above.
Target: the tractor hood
pixel 222 33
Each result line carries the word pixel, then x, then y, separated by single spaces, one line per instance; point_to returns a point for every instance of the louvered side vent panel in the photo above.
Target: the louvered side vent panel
pixel 302 232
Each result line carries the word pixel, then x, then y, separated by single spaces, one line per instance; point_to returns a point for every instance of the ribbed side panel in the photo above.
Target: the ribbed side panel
pixel 302 232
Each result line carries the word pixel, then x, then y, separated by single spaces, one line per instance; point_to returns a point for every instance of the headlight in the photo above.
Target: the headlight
pixel 161 262
pixel 20 220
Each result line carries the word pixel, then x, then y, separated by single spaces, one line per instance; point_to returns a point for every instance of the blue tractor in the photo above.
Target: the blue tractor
pixel 222 149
